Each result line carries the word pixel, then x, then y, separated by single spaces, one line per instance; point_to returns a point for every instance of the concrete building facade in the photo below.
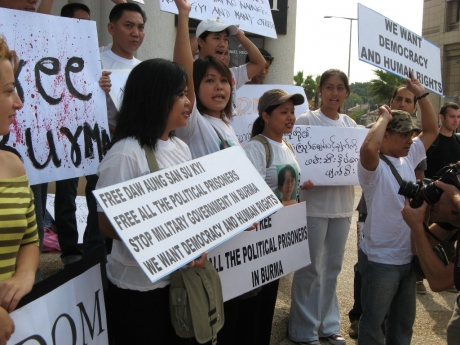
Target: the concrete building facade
pixel 160 33
pixel 441 25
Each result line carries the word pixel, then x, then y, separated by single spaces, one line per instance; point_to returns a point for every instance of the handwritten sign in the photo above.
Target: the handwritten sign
pixel 273 250
pixel 66 308
pixel 328 156
pixel 61 131
pixel 390 46
pixel 118 79
pixel 252 16
pixel 168 218
pixel 247 101
pixel 81 213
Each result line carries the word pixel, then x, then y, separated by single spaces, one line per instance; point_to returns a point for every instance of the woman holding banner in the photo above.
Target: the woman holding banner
pixel 281 172
pixel 19 237
pixel 314 308
pixel 154 104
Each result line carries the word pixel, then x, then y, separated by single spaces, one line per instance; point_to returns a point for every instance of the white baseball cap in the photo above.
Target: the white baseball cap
pixel 215 26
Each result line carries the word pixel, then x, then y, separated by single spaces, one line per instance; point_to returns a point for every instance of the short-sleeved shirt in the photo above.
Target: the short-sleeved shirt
pixel 386 236
pixel 126 160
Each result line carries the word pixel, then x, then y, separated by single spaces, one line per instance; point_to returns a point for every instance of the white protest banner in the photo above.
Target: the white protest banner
pixel 252 16
pixel 168 218
pixel 118 79
pixel 393 48
pixel 328 156
pixel 276 248
pixel 247 100
pixel 66 308
pixel 81 213
pixel 61 131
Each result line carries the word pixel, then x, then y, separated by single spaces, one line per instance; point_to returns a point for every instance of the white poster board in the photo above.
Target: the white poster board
pixel 252 16
pixel 328 156
pixel 118 79
pixel 393 48
pixel 247 100
pixel 81 213
pixel 62 128
pixel 276 248
pixel 168 218
pixel 71 313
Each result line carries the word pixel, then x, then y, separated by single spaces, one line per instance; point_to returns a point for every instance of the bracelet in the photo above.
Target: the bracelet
pixel 422 96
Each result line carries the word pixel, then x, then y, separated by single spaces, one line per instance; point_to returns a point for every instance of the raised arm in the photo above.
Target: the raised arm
pixel 257 60
pixel 429 119
pixel 369 154
pixel 182 49
pixel 45 7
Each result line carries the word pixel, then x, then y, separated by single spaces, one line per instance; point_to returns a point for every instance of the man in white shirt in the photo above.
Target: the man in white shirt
pixel 385 257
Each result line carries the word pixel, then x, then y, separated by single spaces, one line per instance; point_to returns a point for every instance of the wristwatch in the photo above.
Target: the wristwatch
pixel 422 96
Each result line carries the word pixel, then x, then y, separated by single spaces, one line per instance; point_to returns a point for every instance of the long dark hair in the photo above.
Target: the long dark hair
pixel 200 69
pixel 329 73
pixel 149 95
pixel 259 124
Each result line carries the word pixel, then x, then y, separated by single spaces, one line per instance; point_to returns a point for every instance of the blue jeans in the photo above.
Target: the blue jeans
pixel 314 305
pixel 386 289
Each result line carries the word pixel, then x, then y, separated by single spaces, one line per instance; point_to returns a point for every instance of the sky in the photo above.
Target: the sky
pixel 322 43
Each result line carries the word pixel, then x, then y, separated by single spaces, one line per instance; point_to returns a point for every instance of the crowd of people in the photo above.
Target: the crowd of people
pixel 181 110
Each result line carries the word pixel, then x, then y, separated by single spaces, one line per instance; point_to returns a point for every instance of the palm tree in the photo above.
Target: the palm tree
pixel 310 85
pixel 383 87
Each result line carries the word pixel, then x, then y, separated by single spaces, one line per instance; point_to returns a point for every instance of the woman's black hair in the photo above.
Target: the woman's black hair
pixel 200 69
pixel 259 124
pixel 282 173
pixel 149 95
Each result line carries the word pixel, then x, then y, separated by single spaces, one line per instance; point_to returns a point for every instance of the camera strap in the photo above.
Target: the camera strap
pixel 392 167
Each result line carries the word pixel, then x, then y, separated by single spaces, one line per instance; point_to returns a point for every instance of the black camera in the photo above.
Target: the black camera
pixel 426 190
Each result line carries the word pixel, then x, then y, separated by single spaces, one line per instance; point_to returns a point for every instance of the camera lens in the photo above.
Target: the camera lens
pixel 409 189
pixel 432 193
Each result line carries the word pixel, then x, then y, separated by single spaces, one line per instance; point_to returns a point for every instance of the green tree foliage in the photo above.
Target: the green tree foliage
pixel 310 85
pixel 361 89
pixel 382 88
pixel 354 99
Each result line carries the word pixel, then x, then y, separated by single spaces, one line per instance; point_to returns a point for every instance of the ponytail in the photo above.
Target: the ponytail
pixel 257 127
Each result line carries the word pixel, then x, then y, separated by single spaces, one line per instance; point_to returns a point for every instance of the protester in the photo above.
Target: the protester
pixel 439 276
pixel 276 118
pixel 385 258
pixel 260 77
pixel 155 104
pixel 19 240
pixel 314 307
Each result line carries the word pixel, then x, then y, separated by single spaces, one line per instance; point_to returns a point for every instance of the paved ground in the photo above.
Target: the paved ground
pixel 433 309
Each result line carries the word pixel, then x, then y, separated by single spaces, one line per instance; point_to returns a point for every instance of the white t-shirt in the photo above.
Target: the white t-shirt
pixel 277 179
pixel 327 201
pixel 110 60
pixel 386 235
pixel 124 161
pixel 239 78
pixel 200 134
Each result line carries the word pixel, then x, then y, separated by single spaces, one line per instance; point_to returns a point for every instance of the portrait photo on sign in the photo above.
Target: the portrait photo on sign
pixel 287 184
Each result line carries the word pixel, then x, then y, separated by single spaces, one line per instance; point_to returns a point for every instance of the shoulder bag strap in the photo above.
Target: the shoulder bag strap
pixel 151 160
pixel 392 167
pixel 224 143
pixel 268 149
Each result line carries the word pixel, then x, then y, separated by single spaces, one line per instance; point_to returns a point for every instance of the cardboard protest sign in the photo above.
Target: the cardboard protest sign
pixel 66 308
pixel 81 213
pixel 118 79
pixel 393 48
pixel 252 16
pixel 61 131
pixel 247 100
pixel 328 156
pixel 275 249
pixel 168 218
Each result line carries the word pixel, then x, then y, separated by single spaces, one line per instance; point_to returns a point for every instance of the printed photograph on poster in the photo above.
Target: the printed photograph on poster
pixel 61 132
pixel 275 249
pixel 328 156
pixel 251 16
pixel 168 218
pixel 395 49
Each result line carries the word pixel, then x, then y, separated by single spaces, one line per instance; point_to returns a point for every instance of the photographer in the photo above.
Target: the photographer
pixel 439 276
